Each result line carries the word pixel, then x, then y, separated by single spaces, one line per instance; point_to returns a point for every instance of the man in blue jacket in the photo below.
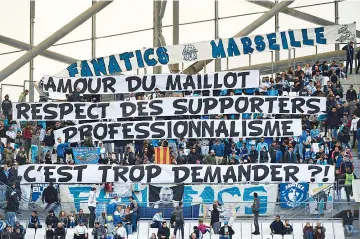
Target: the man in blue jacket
pixel 219 149
pixel 61 150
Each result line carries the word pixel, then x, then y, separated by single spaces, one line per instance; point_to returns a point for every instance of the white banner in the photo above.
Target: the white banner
pixel 57 87
pixel 219 48
pixel 176 129
pixel 168 174
pixel 169 107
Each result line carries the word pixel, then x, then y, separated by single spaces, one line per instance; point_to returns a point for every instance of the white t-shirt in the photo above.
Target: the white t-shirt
pixel 80 230
pixel 92 199
pixel 120 231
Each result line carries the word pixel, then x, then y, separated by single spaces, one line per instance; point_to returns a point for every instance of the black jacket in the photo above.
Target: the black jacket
pixel 6 105
pixel 163 232
pixel 348 220
pixel 12 204
pixel 230 230
pixel 277 227
pixel 49 140
pixel 192 157
pixel 59 231
pixel 50 195
pixel 51 221
pixel 351 95
pixel 215 216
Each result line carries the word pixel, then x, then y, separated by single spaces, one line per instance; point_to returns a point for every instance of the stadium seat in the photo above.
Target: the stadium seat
pixel 214 236
pixel 246 229
pixel 297 229
pixel 265 228
pixel 298 236
pixel 266 236
pixel 338 228
pixel 329 236
pixel 187 229
pixel 143 230
pixel 339 236
pixel 288 236
pixel 153 230
pixel 27 236
pixel 30 231
pixel 39 237
pixel 237 229
pixel 133 236
pixel 40 231
pixel 277 237
pixel 255 237
pixel 329 228
pixel 89 231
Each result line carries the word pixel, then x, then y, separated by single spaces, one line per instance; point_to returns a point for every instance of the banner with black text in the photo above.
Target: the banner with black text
pixel 169 174
pixel 214 49
pixel 169 107
pixel 176 129
pixel 57 86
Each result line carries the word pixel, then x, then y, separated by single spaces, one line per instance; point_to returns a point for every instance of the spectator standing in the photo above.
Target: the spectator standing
pixel 92 207
pixel 351 94
pixel 349 176
pixel 277 227
pixel 253 154
pixel 226 232
pixel 27 133
pixel 211 158
pixel 179 220
pixel 60 150
pixel 50 196
pixel 6 107
pixel 349 48
pixel 255 210
pixel 135 213
pixel 22 97
pixel 49 142
pixel 163 232
pixel 215 219
pixel 358 60
pixel 354 128
pixel 219 149
pixel 290 156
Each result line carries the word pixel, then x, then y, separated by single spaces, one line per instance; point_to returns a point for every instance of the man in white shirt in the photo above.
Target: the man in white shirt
pixel 354 128
pixel 80 231
pixel 92 207
pixel 120 231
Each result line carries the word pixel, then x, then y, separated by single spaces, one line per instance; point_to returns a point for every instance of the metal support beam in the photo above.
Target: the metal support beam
pixel 83 17
pixel 93 32
pixel 175 67
pixel 336 6
pixel 198 66
pixel 300 15
pixel 156 30
pixel 217 61
pixel 48 54
pixel 277 27
pixel 31 69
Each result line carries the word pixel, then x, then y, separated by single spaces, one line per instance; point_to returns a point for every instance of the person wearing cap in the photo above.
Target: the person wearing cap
pixel 98 231
pixel 80 231
pixel 20 227
pixel 59 231
pixel 349 49
pixel 226 232
pixel 51 220
pixel 120 232
pixel 210 158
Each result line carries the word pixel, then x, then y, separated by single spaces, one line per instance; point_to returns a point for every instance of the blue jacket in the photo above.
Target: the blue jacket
pixel 61 149
pixel 219 149
pixel 358 134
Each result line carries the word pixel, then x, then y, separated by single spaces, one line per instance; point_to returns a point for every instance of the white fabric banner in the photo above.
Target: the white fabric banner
pixel 169 107
pixel 177 129
pixel 168 174
pixel 219 48
pixel 57 86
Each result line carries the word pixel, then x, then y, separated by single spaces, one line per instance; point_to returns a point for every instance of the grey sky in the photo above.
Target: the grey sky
pixel 128 15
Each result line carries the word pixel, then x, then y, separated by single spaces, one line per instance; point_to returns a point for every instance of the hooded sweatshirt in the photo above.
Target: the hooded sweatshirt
pixel 179 215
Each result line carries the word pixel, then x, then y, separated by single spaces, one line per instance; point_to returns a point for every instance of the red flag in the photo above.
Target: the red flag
pixel 162 155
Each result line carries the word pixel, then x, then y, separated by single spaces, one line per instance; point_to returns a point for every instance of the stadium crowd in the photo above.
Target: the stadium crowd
pixel 327 139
